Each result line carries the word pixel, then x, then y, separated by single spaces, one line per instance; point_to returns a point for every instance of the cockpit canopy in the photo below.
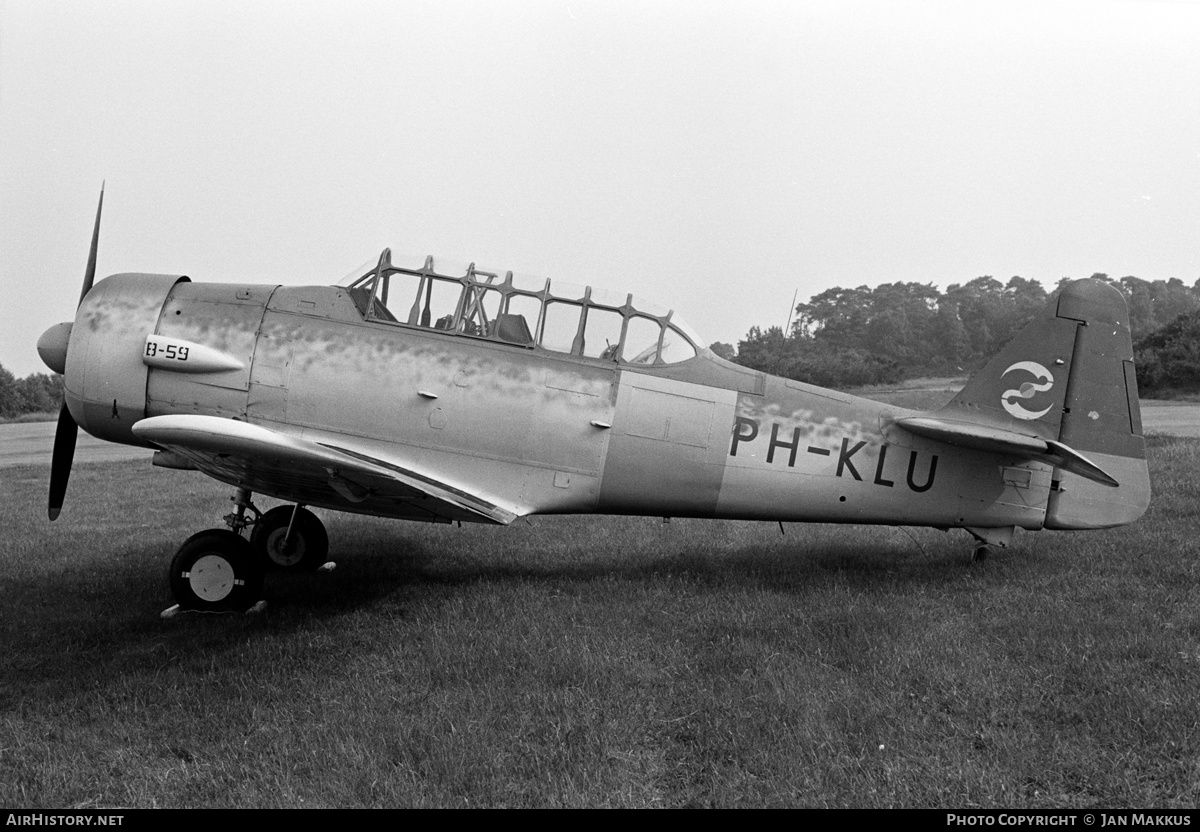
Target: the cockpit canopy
pixel 528 312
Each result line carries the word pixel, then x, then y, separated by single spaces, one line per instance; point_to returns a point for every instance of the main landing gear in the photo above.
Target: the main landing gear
pixel 216 571
pixel 290 537
pixel 219 570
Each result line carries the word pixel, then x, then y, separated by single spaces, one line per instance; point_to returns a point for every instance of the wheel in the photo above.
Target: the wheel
pixel 216 571
pixel 307 549
pixel 981 552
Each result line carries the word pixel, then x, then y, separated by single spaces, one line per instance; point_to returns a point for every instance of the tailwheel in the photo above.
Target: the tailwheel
pixel 216 571
pixel 990 538
pixel 302 549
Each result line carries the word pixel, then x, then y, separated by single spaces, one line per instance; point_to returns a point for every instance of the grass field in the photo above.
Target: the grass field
pixel 29 417
pixel 599 661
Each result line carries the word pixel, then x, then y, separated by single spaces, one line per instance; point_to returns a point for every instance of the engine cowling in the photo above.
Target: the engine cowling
pixel 105 379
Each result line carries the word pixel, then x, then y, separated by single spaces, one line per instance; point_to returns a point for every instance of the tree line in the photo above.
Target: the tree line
pixel 36 393
pixel 896 331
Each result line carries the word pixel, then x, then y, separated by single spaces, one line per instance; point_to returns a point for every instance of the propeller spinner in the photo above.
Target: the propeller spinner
pixel 52 347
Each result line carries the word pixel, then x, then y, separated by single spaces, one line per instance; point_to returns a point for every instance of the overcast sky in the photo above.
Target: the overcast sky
pixel 714 156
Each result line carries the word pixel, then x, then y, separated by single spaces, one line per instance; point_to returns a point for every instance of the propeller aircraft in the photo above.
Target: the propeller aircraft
pixel 422 391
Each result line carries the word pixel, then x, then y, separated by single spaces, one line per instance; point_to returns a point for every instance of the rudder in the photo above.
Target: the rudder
pixel 1101 415
pixel 1068 377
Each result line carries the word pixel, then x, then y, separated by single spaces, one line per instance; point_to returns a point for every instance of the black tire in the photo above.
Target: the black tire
pixel 309 547
pixel 216 571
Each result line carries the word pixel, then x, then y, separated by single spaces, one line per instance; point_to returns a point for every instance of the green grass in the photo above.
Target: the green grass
pixel 599 661
pixel 29 417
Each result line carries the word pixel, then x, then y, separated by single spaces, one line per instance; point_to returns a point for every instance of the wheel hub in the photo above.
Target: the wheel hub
pixel 285 555
pixel 211 578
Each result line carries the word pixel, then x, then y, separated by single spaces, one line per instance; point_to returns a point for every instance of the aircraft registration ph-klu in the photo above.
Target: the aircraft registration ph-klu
pixel 425 392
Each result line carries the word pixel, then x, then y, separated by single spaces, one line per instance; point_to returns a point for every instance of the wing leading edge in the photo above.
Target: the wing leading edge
pixel 281 464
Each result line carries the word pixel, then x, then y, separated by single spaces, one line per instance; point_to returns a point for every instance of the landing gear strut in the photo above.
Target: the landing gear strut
pixel 219 570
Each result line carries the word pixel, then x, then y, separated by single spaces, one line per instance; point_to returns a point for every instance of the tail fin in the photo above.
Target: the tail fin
pixel 1065 384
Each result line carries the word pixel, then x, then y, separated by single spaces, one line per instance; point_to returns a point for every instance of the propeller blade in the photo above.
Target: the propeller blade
pixel 68 431
pixel 60 463
pixel 90 275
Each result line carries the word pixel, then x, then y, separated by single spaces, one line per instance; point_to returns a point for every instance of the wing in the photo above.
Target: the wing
pixel 315 473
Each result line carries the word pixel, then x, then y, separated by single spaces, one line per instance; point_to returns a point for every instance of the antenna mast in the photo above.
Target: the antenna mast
pixel 787 327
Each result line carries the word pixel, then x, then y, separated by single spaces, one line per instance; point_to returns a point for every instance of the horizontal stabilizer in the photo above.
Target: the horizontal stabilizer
pixel 228 450
pixel 1002 441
